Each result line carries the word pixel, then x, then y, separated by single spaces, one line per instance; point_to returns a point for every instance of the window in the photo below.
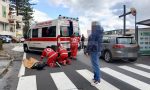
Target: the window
pixel 35 33
pixel 76 31
pixel 64 31
pixel 4 26
pixel 146 42
pixel 49 31
pixel 4 11
pixel 141 42
pixel 126 40
pixel 106 41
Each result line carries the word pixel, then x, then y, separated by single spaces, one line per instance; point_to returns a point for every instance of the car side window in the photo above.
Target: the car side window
pixel 106 40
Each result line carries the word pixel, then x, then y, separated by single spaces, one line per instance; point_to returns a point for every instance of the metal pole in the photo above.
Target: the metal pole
pixel 124 20
pixel 16 7
pixel 136 30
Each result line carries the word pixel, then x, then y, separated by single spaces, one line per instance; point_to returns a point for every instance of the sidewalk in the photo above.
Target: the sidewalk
pixel 7 55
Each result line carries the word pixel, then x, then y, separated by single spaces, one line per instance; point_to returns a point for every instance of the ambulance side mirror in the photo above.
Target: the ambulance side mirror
pixel 25 36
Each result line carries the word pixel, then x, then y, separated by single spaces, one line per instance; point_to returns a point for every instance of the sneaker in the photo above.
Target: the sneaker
pixel 95 83
pixel 92 81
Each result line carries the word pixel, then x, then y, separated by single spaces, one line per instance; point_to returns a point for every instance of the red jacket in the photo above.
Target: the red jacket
pixel 48 52
pixel 62 50
pixel 74 40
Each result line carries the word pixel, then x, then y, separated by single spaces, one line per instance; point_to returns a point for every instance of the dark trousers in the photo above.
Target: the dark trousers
pixel 82 44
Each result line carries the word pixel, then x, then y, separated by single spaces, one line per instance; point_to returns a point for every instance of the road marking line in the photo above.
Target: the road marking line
pixel 143 66
pixel 62 82
pixel 27 83
pixel 104 85
pixel 134 82
pixel 22 68
pixel 136 71
pixel 18 48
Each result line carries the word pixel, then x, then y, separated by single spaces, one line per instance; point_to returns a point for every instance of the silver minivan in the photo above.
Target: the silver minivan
pixel 119 47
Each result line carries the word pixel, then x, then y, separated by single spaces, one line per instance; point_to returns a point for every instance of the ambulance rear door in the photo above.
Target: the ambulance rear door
pixel 65 33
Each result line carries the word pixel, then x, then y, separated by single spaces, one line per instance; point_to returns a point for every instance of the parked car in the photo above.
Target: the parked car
pixel 6 38
pixel 22 39
pixel 119 48
pixel 15 39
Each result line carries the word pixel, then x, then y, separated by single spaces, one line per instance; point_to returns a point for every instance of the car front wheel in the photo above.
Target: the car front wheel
pixel 107 56
pixel 26 48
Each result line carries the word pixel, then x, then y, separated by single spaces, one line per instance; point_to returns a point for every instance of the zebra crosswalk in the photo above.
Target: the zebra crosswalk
pixel 63 82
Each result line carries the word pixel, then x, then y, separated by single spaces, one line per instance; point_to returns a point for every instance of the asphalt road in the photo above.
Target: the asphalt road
pixel 118 75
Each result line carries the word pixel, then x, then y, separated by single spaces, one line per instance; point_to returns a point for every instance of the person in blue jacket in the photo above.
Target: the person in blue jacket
pixel 94 48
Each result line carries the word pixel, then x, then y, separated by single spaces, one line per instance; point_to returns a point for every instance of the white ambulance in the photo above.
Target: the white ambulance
pixel 47 33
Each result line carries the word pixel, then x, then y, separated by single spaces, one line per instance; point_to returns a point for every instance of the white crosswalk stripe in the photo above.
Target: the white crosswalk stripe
pixel 27 83
pixel 104 85
pixel 143 66
pixel 136 71
pixel 22 68
pixel 132 81
pixel 61 80
pixel 18 48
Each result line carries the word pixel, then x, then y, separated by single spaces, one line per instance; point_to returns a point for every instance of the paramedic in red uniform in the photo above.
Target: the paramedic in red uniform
pixel 63 55
pixel 51 55
pixel 74 46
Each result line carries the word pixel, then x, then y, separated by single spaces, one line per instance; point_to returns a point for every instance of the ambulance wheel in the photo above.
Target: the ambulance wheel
pixel 26 48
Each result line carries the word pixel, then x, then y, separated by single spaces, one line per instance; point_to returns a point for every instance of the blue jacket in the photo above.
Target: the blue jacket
pixel 95 40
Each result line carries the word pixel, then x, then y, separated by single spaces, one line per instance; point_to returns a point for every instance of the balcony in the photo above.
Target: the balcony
pixel 13 18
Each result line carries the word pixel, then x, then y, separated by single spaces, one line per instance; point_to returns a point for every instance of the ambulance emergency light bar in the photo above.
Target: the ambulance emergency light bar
pixel 63 17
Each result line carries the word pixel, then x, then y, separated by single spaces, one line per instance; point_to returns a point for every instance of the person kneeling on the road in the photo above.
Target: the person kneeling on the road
pixel 52 56
pixel 63 55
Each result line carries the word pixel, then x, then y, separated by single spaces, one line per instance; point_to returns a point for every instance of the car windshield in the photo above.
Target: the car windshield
pixel 126 40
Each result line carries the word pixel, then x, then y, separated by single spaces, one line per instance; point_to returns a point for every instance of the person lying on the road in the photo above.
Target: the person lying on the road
pixel 51 55
pixel 32 63
pixel 63 55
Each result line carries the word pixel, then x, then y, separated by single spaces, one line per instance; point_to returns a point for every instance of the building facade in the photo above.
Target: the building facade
pixel 8 20
pixel 4 23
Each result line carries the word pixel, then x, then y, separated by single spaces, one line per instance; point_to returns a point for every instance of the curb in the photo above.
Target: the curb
pixel 6 67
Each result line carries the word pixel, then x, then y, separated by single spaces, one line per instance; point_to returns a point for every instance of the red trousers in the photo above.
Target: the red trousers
pixel 52 60
pixel 63 59
pixel 74 50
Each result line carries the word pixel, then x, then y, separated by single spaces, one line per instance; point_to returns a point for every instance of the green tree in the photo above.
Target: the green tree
pixel 24 8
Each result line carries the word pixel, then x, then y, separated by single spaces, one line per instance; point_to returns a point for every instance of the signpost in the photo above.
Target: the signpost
pixel 133 12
